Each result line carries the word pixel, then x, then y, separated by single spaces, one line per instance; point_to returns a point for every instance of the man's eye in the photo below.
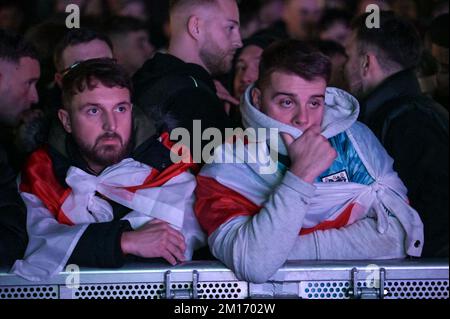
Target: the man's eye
pixel 286 103
pixel 93 111
pixel 315 104
pixel 121 109
pixel 240 67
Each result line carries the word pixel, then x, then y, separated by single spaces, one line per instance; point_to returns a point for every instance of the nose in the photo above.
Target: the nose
pixel 301 118
pixel 248 77
pixel 33 95
pixel 109 122
pixel 238 40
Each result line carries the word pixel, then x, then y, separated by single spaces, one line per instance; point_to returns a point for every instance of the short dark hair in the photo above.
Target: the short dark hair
pixel 87 74
pixel 293 57
pixel 329 48
pixel 13 47
pixel 74 37
pixel 397 42
pixel 119 25
pixel 332 16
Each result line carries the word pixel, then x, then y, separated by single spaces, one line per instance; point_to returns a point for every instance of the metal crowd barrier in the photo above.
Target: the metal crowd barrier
pixel 402 279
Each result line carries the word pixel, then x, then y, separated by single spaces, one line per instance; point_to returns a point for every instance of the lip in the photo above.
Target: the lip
pixel 109 140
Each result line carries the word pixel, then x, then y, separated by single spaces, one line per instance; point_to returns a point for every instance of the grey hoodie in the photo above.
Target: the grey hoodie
pixel 256 247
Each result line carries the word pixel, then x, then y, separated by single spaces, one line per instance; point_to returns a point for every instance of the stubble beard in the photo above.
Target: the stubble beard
pixel 105 155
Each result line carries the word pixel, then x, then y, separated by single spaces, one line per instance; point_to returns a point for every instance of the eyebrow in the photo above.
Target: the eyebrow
pixel 283 93
pixel 234 21
pixel 101 105
pixel 318 96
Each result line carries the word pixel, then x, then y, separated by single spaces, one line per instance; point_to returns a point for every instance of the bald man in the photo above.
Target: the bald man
pixel 177 88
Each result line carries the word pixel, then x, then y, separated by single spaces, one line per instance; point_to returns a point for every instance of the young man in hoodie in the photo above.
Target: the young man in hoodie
pixel 333 193
pixel 178 87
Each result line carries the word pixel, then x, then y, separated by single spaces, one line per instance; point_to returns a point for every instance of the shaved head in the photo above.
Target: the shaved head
pixel 176 5
pixel 181 10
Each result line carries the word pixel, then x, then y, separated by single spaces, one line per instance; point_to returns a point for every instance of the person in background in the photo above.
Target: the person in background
pixel 19 73
pixel 411 126
pixel 131 42
pixel 176 88
pixel 335 26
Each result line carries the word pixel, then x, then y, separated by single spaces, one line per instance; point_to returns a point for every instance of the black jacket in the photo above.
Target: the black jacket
pixel 174 94
pixel 13 234
pixel 414 130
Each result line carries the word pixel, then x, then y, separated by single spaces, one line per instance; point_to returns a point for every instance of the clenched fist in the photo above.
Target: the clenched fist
pixel 310 155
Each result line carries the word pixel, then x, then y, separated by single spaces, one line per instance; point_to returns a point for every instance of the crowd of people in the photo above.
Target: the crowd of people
pixel 339 144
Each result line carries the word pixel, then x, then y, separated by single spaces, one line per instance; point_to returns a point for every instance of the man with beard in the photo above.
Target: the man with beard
pixel 92 202
pixel 411 126
pixel 178 87
pixel 19 72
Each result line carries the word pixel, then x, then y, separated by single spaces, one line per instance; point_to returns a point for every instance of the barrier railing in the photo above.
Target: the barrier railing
pixel 398 279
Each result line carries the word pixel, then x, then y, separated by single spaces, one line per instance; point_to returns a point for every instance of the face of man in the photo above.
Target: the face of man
pixel 86 51
pixel 247 69
pixel 292 100
pixel 338 77
pixel 302 16
pixel 17 89
pixel 82 52
pixel 354 68
pixel 100 121
pixel 338 32
pixel 132 50
pixel 222 37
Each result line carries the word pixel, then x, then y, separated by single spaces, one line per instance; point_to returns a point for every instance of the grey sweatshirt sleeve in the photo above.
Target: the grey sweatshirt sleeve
pixel 360 240
pixel 256 247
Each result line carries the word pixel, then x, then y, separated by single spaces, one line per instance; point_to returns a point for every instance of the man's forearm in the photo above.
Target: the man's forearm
pixel 255 247
pixel 358 241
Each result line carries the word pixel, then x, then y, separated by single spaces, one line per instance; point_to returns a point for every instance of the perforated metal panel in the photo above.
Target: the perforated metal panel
pixel 411 279
pixel 119 291
pixel 29 292
pixel 396 289
pixel 417 289
pixel 223 290
pixel 206 290
pixel 324 289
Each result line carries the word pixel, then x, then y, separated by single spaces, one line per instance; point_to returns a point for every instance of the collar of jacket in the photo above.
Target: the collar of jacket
pixel 163 64
pixel 401 84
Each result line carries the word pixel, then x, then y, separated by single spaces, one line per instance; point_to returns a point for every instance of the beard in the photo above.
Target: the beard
pixel 217 60
pixel 105 155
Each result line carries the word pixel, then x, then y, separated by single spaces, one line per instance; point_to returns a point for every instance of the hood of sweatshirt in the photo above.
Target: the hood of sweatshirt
pixel 341 112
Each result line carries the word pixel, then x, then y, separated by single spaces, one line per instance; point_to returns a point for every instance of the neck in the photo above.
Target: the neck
pixel 186 51
pixel 377 79
pixel 94 168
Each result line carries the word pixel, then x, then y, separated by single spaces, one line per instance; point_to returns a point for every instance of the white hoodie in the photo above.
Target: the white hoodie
pixel 255 247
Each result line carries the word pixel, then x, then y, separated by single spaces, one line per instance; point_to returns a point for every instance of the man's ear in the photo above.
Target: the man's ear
pixel 367 63
pixel 58 79
pixel 194 27
pixel 257 98
pixel 64 117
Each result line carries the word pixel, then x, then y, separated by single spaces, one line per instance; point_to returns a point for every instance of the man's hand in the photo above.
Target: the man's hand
pixel 225 96
pixel 155 239
pixel 310 155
